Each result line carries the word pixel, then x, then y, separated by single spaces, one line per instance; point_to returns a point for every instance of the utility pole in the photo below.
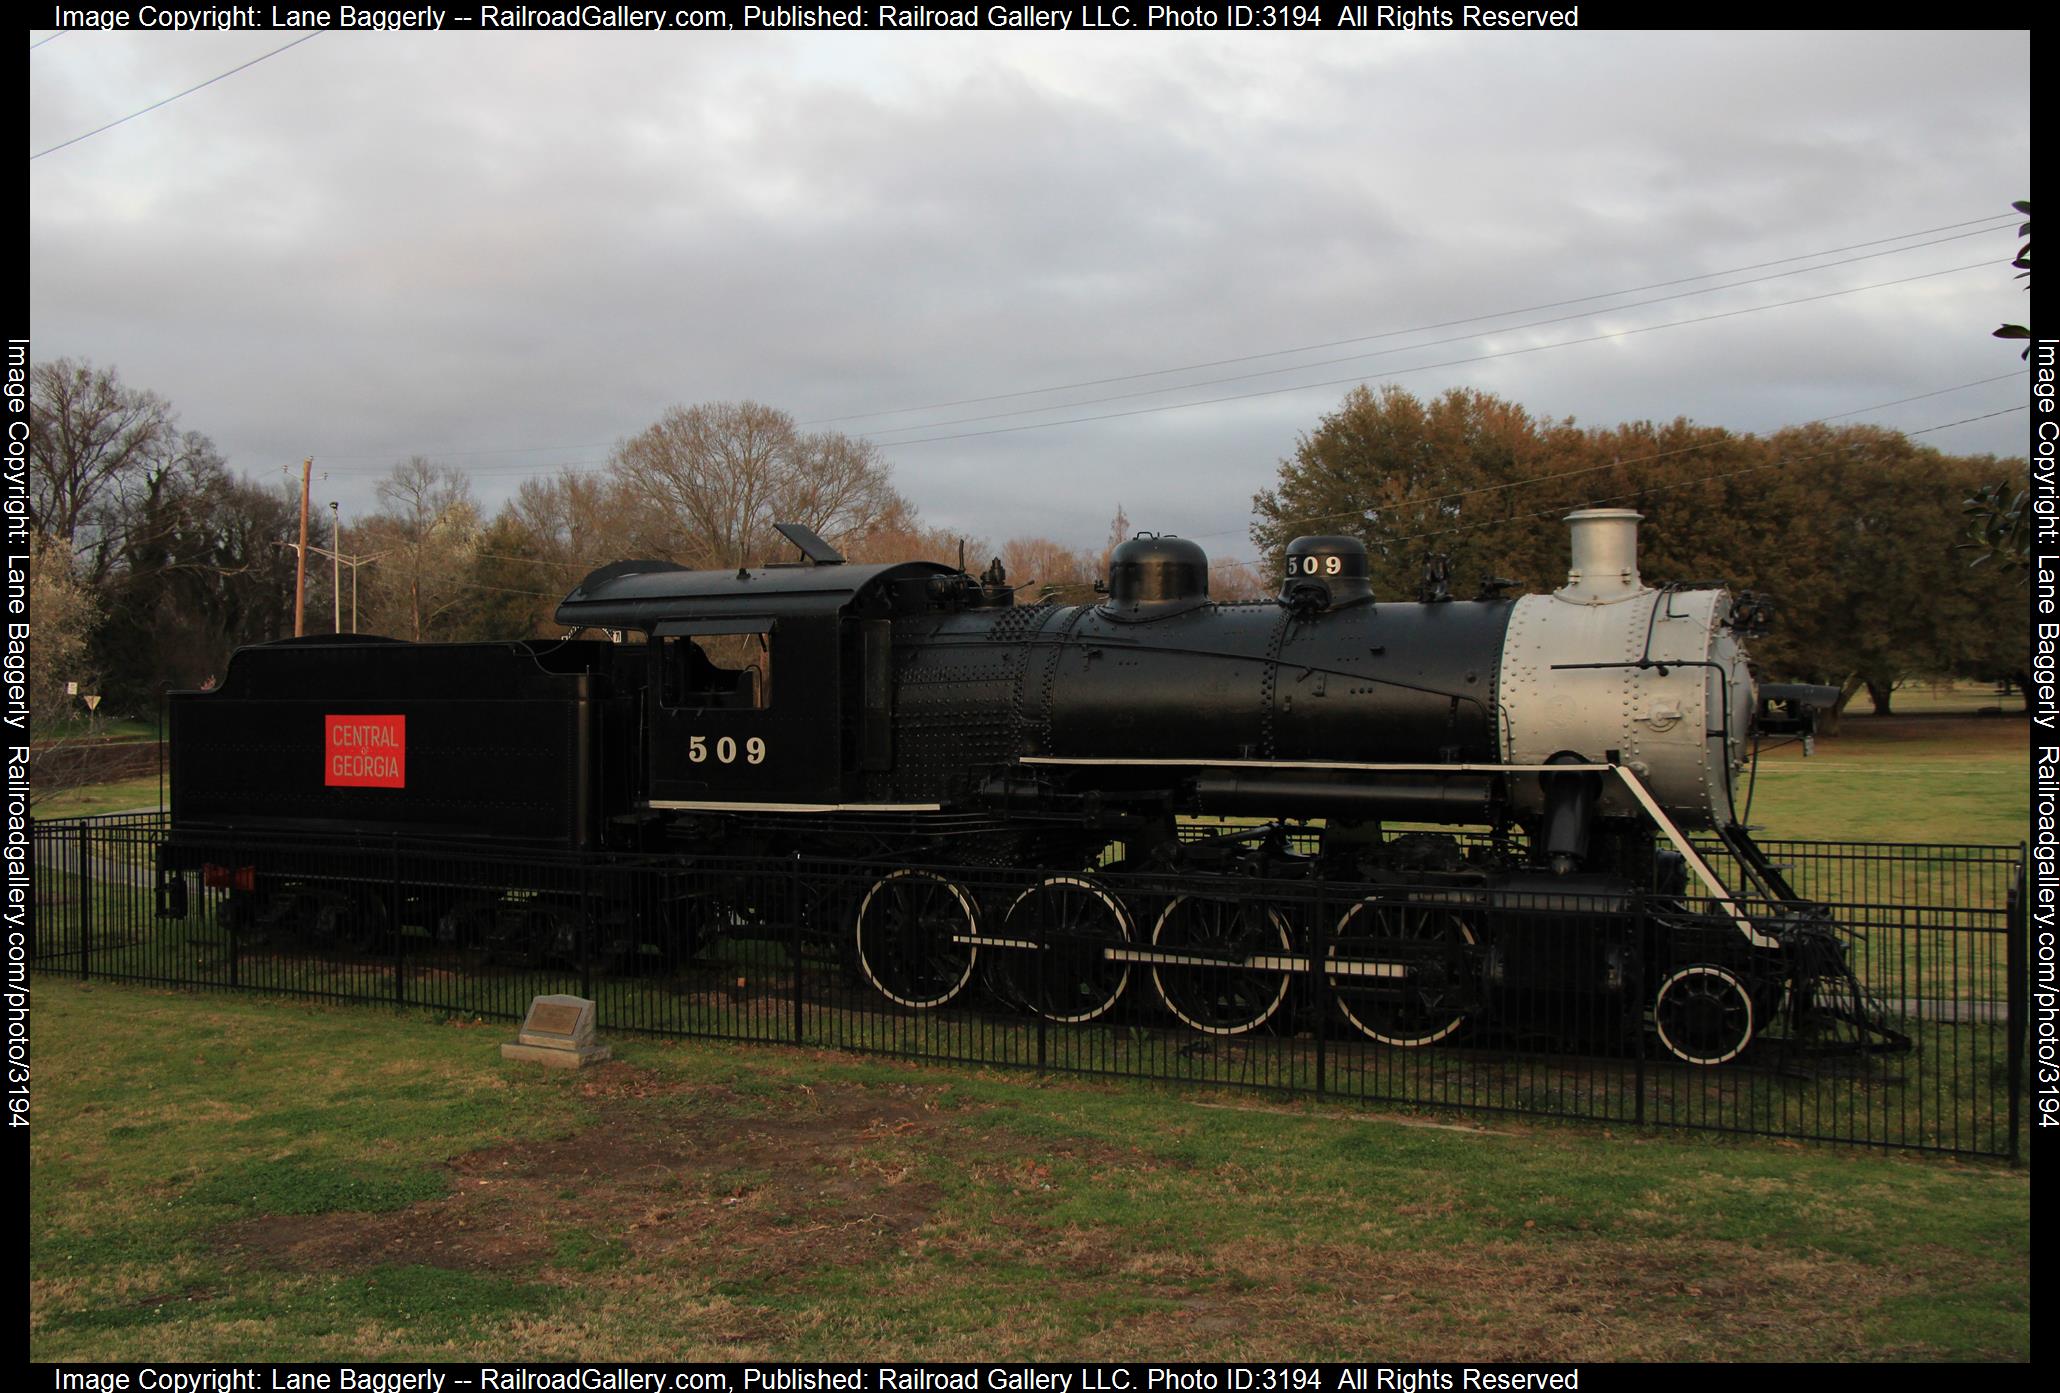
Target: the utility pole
pixel 300 564
pixel 339 560
pixel 336 569
pixel 354 562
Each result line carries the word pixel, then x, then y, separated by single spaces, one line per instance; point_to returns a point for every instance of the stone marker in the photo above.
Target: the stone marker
pixel 559 1032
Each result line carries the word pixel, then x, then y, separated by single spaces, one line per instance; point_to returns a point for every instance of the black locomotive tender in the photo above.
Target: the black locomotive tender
pixel 915 723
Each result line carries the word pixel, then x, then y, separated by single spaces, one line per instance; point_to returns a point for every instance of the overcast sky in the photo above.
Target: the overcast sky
pixel 507 252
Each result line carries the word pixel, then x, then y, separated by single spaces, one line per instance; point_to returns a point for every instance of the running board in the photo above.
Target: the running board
pixel 1264 962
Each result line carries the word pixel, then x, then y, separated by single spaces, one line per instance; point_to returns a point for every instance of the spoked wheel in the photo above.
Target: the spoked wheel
pixel 354 922
pixel 914 938
pixel 1415 1006
pixel 1704 1015
pixel 614 948
pixel 1226 1000
pixel 467 928
pixel 1071 978
pixel 561 934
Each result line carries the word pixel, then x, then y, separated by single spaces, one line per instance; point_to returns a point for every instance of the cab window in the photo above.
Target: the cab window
pixel 729 672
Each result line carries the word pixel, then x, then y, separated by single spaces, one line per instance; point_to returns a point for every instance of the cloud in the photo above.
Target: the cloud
pixel 509 251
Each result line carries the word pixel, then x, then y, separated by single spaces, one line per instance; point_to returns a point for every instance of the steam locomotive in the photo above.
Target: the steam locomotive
pixel 1146 759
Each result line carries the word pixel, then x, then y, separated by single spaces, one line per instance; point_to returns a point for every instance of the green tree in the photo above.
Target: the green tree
pixel 1848 528
pixel 1861 524
pixel 200 568
pixel 1999 511
pixel 1408 477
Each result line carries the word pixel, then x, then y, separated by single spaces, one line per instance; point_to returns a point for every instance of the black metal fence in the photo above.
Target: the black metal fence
pixel 1589 1005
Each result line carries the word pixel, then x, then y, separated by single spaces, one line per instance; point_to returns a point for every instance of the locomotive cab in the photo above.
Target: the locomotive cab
pixel 713 714
pixel 768 687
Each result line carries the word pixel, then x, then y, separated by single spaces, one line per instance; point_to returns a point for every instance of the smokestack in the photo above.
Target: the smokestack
pixel 1605 546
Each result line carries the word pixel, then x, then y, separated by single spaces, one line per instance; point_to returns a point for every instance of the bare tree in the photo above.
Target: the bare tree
pixel 65 613
pixel 575 521
pixel 716 477
pixel 1119 533
pixel 543 540
pixel 1231 581
pixel 90 440
pixel 899 534
pixel 427 530
pixel 1048 568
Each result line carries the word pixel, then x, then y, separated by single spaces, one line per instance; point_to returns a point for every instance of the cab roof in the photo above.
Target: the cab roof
pixel 640 594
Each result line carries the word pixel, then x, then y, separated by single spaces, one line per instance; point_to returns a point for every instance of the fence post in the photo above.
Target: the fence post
pixel 2018 964
pixel 1321 985
pixel 794 941
pixel 1042 923
pixel 85 901
pixel 393 926
pixel 1636 987
pixel 587 929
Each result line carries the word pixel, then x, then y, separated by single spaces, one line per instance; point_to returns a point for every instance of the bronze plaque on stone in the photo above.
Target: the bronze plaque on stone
pixel 552 1019
pixel 559 1031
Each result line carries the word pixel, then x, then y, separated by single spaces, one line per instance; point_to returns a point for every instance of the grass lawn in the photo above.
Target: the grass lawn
pixel 1921 697
pixel 217 1178
pixel 86 727
pixel 229 1179
pixel 1942 778
pixel 93 799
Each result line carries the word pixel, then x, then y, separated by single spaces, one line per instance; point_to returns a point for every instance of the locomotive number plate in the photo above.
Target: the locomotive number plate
pixel 725 750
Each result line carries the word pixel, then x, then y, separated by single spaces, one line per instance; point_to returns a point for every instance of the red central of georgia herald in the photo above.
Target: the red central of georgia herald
pixel 366 752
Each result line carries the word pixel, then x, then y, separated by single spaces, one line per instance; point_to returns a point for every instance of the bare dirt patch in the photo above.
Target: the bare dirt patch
pixel 801 1179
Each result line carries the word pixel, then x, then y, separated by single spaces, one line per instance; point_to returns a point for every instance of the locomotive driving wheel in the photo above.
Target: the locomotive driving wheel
pixel 914 938
pixel 1070 977
pixel 1416 1009
pixel 1704 1015
pixel 355 921
pixel 1243 993
pixel 467 928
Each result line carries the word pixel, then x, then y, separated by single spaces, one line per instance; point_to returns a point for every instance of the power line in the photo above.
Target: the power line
pixel 1433 343
pixel 523 471
pixel 174 97
pixel 1447 363
pixel 40 42
pixel 2006 221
